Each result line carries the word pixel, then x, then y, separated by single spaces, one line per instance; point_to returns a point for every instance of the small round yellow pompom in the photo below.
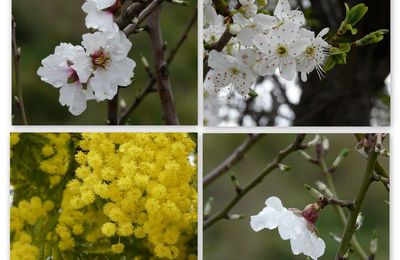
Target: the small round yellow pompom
pixel 108 229
pixel 117 248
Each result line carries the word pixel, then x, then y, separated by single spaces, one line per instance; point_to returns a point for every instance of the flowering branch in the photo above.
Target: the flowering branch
pixel 352 219
pixel 224 213
pixel 320 161
pixel 161 68
pixel 17 57
pixel 236 156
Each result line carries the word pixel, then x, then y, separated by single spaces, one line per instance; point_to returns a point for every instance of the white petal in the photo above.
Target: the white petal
pixel 245 36
pixel 264 42
pixel 268 66
pixel 83 66
pixel 288 68
pixel 103 86
pixel 323 32
pixel 274 202
pixel 282 9
pixel 243 82
pixel 103 4
pixel 296 17
pixel 220 61
pixel 122 71
pixel 265 20
pixel 298 46
pixel 73 96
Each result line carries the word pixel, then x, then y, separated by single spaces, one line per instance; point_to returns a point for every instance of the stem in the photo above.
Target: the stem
pixel 224 213
pixel 351 222
pixel 17 57
pixel 112 110
pixel 378 167
pixel 153 6
pixel 236 156
pixel 161 68
pixel 339 211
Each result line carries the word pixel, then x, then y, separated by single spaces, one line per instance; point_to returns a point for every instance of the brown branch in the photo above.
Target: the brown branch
pixel 129 14
pixel 131 28
pixel 112 110
pixel 224 213
pixel 17 57
pixel 336 202
pixel 236 156
pixel 150 87
pixel 161 68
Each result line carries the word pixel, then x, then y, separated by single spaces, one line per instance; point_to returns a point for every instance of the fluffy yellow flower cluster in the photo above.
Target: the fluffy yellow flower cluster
pixel 145 186
pixel 23 218
pixel 57 157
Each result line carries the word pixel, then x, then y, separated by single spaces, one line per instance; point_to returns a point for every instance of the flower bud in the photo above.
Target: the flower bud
pixel 234 29
pixel 311 212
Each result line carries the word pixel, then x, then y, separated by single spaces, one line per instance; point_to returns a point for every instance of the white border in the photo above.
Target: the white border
pixel 6 128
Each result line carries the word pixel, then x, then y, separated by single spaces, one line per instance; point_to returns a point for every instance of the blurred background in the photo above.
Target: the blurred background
pixel 356 94
pixel 236 240
pixel 44 24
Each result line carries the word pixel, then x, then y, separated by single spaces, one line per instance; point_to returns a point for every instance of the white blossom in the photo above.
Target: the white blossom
pixel 69 69
pixel 291 226
pixel 281 49
pixel 315 54
pixel 100 15
pixel 110 64
pixel 249 27
pixel 230 71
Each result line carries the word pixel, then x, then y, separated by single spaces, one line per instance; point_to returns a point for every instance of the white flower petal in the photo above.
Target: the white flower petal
pixel 282 9
pixel 73 96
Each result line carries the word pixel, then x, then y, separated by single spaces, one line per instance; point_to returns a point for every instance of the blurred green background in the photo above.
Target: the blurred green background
pixel 44 24
pixel 236 240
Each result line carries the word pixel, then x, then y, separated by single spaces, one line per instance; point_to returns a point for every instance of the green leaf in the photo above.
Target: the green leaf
pixel 253 94
pixel 356 13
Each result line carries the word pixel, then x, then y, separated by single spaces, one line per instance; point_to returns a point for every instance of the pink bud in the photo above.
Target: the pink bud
pixel 311 212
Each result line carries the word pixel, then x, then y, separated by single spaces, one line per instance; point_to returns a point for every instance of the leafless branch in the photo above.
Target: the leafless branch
pixel 17 57
pixel 131 28
pixel 161 68
pixel 236 156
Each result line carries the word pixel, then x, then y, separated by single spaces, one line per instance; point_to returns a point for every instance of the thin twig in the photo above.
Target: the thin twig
pixel 129 14
pixel 384 180
pixel 378 167
pixel 236 156
pixel 358 202
pixel 151 86
pixel 183 37
pixel 224 213
pixel 161 68
pixel 336 202
pixel 339 211
pixel 17 57
pixel 131 28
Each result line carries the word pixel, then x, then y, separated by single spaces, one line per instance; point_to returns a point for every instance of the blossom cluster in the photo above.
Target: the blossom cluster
pixel 95 69
pixel 22 221
pixel 292 225
pixel 131 185
pixel 261 45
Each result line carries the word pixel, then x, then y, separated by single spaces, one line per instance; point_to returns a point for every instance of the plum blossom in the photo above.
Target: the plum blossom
pixel 281 49
pixel 249 8
pixel 100 15
pixel 249 27
pixel 110 64
pixel 284 14
pixel 230 71
pixel 292 226
pixel 315 54
pixel 69 69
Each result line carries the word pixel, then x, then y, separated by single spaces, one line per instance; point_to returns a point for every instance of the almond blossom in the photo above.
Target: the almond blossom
pixel 292 225
pixel 110 64
pixel 69 69
pixel 100 15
